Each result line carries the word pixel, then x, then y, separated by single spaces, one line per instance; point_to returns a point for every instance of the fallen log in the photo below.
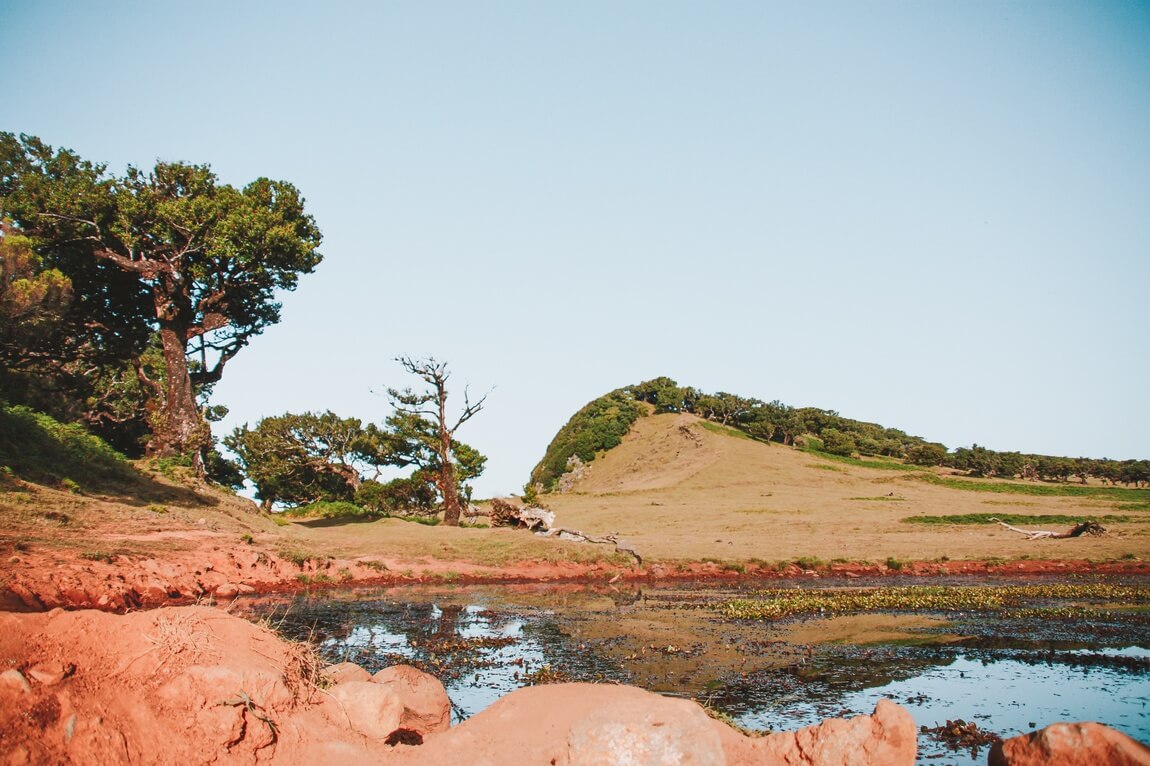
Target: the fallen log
pixel 1084 528
pixel 508 514
pixel 621 546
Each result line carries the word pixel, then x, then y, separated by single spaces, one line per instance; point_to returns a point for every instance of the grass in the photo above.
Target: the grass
pixel 39 449
pixel 779 603
pixel 722 430
pixel 1014 518
pixel 1037 490
pixel 824 467
pixel 327 510
pixel 885 464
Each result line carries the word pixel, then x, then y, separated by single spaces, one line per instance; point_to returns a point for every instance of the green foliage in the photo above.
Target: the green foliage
pixel 326 509
pixel 168 250
pixel 1015 519
pixel 298 459
pixel 408 496
pixel 838 442
pixel 422 434
pixel 597 427
pixel 926 454
pixel 39 449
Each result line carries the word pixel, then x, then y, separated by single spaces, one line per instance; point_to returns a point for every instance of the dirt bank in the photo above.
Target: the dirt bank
pixel 211 570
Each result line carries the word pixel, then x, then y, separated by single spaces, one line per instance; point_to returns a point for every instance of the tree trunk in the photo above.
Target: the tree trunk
pixel 179 430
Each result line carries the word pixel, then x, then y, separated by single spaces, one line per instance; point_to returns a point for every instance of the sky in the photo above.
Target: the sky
pixel 930 215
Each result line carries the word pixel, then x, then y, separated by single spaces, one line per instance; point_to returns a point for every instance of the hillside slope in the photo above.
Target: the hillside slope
pixel 679 487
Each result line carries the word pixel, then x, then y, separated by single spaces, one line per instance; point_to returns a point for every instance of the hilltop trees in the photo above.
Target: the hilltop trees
pixel 169 251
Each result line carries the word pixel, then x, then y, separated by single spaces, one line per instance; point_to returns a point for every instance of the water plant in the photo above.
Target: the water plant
pixel 778 603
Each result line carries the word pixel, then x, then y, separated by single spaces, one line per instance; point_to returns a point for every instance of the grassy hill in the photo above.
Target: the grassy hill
pixel 681 487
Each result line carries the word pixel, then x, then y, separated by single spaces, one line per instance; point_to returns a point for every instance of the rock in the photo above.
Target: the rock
pixel 14 680
pixel 426 706
pixel 50 673
pixel 372 710
pixel 227 590
pixel 645 733
pixel 1070 744
pixel 245 589
pixel 886 738
pixel 342 672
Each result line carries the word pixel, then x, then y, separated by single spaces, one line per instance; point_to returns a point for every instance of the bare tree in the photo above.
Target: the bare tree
pixel 427 434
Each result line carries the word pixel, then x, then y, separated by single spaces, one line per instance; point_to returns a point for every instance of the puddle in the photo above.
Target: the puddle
pixel 1007 674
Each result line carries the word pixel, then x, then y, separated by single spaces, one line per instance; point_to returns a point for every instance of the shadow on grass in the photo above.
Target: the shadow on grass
pixel 335 521
pixel 40 450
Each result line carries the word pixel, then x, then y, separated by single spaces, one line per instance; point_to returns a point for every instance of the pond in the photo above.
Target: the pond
pixel 1007 671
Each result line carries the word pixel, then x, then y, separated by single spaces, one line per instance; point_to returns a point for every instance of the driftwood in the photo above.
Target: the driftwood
pixel 505 513
pixel 508 514
pixel 621 546
pixel 1085 528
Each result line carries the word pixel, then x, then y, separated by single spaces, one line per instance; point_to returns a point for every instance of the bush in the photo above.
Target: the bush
pixel 599 426
pixel 325 509
pixel 413 495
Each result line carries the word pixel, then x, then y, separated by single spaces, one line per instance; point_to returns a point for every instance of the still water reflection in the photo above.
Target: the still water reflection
pixel 1007 675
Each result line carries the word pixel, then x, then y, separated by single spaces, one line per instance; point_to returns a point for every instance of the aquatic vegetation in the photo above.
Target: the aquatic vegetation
pixel 778 603
pixel 960 735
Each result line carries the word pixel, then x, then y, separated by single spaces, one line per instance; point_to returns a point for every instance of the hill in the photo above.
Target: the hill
pixel 600 425
pixel 680 487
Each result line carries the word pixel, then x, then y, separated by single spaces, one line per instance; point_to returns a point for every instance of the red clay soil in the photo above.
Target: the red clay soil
pixel 37 581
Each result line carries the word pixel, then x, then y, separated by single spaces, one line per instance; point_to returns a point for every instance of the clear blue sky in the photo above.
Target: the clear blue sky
pixel 931 215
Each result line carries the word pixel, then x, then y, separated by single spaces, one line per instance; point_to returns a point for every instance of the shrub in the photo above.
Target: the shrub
pixel 325 509
pixel 598 426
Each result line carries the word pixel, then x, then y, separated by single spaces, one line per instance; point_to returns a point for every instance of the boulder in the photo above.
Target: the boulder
pixel 645 732
pixel 342 672
pixel 886 738
pixel 373 710
pixel 426 706
pixel 1070 744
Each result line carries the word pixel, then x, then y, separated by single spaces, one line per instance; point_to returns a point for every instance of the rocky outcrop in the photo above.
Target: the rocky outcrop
pixel 426 706
pixel 1071 744
pixel 592 724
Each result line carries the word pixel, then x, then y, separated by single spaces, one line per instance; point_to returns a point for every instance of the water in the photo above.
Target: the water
pixel 1008 675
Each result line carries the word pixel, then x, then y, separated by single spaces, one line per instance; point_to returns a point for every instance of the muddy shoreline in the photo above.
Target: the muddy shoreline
pixel 39 581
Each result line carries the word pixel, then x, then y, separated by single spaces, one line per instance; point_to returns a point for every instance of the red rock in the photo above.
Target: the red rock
pixel 645 732
pixel 1071 744
pixel 426 706
pixel 227 590
pixel 342 672
pixel 372 710
pixel 886 738
pixel 14 680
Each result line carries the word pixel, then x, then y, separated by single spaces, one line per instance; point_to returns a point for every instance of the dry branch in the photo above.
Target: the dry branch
pixel 1084 528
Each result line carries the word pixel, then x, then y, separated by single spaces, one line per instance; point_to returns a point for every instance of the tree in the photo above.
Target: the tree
pixel 837 442
pixel 207 257
pixel 423 434
pixel 927 453
pixel 300 459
